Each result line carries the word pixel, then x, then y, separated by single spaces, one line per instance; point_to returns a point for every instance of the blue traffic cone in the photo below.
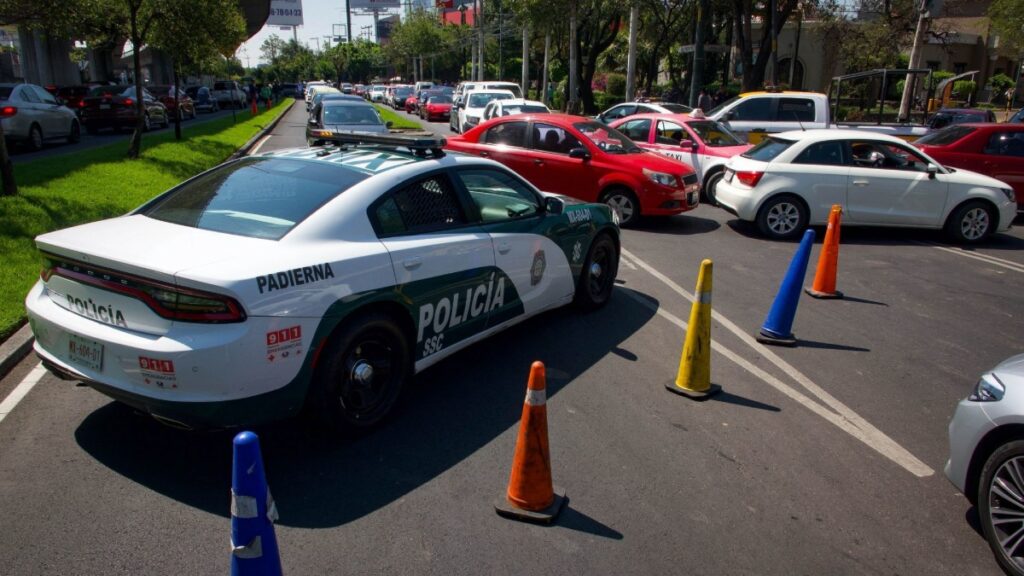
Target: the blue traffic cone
pixel 778 326
pixel 253 544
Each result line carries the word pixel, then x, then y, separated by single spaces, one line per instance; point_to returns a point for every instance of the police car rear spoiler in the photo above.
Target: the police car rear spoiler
pixel 419 145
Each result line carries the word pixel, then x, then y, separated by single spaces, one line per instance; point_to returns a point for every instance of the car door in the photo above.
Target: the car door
pixel 668 136
pixel 888 184
pixel 506 142
pixel 521 232
pixel 821 172
pixel 750 115
pixel 50 118
pixel 28 112
pixel 441 260
pixel 554 170
pixel 1003 159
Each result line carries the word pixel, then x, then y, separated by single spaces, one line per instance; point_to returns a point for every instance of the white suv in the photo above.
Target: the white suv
pixel 791 180
pixel 472 104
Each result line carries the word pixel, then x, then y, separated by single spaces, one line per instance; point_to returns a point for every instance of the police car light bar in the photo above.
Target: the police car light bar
pixel 420 145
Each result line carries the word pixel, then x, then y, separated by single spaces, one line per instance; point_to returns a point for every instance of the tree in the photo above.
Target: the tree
pixel 272 48
pixel 1008 20
pixel 188 32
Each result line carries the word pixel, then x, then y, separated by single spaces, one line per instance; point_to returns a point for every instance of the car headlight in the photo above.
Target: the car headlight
pixel 1009 194
pixel 661 178
pixel 472 119
pixel 988 389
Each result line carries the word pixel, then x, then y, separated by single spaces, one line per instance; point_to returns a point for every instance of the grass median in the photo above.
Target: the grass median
pixel 398 121
pixel 79 187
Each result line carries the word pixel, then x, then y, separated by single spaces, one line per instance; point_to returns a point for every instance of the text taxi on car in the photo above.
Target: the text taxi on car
pixel 316 278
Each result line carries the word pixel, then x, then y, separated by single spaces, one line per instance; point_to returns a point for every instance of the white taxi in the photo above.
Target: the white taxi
pixel 317 278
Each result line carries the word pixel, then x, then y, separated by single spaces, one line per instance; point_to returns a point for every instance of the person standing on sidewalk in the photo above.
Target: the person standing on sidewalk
pixel 266 94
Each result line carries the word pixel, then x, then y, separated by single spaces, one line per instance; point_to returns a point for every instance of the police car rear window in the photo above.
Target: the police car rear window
pixel 255 197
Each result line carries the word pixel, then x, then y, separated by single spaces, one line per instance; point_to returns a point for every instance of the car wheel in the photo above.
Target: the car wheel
pixel 971 222
pixel 597 278
pixel 782 217
pixel 360 380
pixel 625 204
pixel 710 185
pixel 75 134
pixel 35 138
pixel 1001 505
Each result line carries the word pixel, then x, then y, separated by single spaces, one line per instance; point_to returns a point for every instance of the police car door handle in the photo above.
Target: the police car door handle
pixel 413 262
pixel 504 247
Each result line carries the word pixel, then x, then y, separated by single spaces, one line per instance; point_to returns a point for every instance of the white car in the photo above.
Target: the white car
pixel 470 108
pixel 465 87
pixel 630 108
pixel 986 458
pixel 377 93
pixel 791 180
pixel 317 279
pixel 497 108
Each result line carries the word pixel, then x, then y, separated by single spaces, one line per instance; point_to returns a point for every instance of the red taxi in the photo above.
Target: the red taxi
pixel 702 143
pixel 995 150
pixel 582 158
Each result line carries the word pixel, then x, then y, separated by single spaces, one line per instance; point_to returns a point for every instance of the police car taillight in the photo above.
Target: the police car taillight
pixel 167 301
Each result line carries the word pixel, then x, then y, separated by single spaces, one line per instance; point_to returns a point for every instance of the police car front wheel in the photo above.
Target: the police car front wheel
pixel 598 275
pixel 359 382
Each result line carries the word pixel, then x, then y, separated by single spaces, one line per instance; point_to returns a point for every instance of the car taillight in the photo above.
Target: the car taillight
pixel 81 103
pixel 749 178
pixel 167 301
pixel 8 111
pixel 128 101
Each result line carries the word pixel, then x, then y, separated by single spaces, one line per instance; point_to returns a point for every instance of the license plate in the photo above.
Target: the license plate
pixel 692 198
pixel 84 352
pixel 104 106
pixel 728 175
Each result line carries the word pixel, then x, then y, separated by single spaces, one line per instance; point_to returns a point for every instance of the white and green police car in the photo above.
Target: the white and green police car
pixel 316 278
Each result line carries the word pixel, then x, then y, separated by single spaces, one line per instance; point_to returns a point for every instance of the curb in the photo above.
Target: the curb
pixel 15 348
pixel 266 129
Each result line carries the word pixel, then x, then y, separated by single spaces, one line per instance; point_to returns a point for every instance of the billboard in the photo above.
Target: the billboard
pixel 285 13
pixel 373 4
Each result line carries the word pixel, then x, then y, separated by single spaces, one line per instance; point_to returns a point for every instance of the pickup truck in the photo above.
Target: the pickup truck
pixel 751 115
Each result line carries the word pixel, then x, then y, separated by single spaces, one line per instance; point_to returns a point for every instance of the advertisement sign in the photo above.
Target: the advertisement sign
pixel 373 4
pixel 285 13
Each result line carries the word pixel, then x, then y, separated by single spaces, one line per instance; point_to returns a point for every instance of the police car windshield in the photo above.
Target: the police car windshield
pixel 255 197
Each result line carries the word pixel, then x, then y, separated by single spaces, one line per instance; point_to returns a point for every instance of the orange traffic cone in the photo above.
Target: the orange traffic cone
pixel 531 496
pixel 828 261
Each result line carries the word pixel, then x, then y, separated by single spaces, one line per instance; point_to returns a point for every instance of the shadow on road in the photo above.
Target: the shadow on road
pixel 829 346
pixel 681 225
pixel 454 409
pixel 728 398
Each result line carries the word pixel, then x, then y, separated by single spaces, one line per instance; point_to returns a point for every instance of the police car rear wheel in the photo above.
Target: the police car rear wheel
pixel 361 381
pixel 598 276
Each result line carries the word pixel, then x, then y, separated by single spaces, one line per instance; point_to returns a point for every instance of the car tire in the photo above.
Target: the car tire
pixel 374 346
pixel 783 217
pixel 597 278
pixel 971 222
pixel 623 202
pixel 75 133
pixel 709 187
pixel 997 472
pixel 35 138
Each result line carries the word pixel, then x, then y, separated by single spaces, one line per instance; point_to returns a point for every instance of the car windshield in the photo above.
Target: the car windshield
pixel 714 134
pixel 255 197
pixel 675 108
pixel 362 115
pixel 768 149
pixel 945 136
pixel 608 139
pixel 481 99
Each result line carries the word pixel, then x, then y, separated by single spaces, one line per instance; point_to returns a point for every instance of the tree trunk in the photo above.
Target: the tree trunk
pixel 544 82
pixel 135 145
pixel 10 186
pixel 177 104
pixel 572 98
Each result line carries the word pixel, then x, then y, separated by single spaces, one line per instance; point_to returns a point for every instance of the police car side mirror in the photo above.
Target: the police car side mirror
pixel 553 205
pixel 580 153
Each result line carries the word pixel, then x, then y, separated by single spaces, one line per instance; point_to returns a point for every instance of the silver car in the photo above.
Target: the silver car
pixel 986 458
pixel 31 116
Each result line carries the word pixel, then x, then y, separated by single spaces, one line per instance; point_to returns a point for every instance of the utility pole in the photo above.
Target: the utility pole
pixel 634 17
pixel 915 57
pixel 348 21
pixel 526 60
pixel 796 48
pixel 773 62
pixel 697 79
pixel 572 103
pixel 480 52
pixel 544 82
pixel 501 51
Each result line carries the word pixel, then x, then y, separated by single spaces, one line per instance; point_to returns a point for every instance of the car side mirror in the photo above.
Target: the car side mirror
pixel 932 171
pixel 553 205
pixel 580 153
pixel 688 144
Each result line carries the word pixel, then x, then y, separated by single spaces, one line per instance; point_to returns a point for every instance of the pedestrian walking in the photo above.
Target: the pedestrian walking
pixel 266 94
pixel 253 96
pixel 704 101
pixel 1009 98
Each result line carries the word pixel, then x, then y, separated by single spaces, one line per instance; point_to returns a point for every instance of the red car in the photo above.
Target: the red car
pixel 436 107
pixel 411 103
pixel 702 143
pixel 166 97
pixel 995 150
pixel 114 107
pixel 585 159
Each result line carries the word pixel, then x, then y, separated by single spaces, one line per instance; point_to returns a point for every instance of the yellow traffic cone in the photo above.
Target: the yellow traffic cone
pixel 694 378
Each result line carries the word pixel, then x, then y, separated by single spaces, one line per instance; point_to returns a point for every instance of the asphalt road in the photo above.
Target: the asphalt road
pixel 822 459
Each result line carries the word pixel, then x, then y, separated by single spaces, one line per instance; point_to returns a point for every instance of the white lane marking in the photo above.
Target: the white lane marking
pixel 255 149
pixel 844 417
pixel 987 258
pixel 21 390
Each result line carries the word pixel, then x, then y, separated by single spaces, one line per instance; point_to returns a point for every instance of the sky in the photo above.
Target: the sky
pixel 318 17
